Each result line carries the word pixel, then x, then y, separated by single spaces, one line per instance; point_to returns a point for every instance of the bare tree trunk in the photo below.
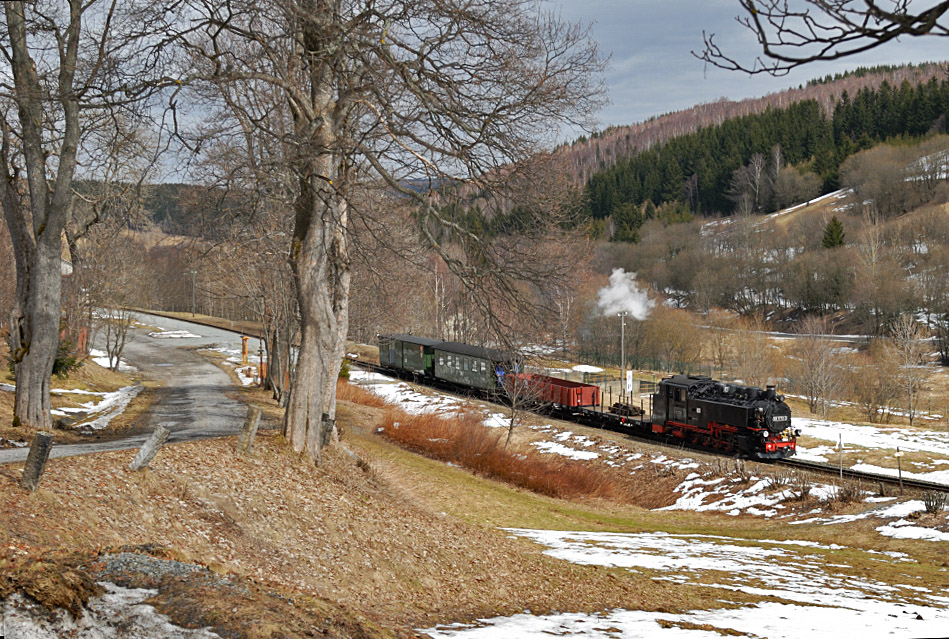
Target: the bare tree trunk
pixel 320 261
pixel 34 334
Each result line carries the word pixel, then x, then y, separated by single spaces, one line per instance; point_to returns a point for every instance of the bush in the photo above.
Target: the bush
pixel 465 441
pixel 802 486
pixel 67 361
pixel 780 478
pixel 934 501
pixel 344 370
pixel 348 392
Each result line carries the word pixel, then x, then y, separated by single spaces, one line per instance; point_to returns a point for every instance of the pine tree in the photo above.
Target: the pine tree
pixel 833 234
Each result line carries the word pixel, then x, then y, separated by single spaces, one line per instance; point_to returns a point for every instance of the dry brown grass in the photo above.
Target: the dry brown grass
pixel 464 440
pixel 351 393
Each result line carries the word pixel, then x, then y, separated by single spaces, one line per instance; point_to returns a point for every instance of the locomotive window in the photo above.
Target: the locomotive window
pixel 680 394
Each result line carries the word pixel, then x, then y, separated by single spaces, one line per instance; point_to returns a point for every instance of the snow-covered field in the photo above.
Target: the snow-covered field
pixel 876 438
pixel 804 594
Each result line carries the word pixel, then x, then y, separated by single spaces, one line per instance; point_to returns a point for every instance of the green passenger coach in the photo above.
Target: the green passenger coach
pixel 407 352
pixel 471 365
pixel 449 361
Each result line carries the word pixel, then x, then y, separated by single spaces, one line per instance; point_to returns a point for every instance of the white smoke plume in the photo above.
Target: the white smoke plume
pixel 623 294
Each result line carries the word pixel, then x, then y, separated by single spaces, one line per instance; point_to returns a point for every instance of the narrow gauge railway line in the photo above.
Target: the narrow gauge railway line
pixel 632 428
pixel 849 473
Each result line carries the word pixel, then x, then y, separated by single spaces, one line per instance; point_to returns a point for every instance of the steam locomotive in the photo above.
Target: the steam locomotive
pixel 699 411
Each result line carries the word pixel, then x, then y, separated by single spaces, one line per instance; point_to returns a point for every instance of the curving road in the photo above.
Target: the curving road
pixel 193 401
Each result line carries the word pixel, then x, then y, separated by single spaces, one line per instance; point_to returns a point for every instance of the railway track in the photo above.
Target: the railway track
pixel 797 464
pixel 848 473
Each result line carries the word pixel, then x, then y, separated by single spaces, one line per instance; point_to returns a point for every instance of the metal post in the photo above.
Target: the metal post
pixel 622 354
pixel 840 455
pixel 193 273
pixel 899 467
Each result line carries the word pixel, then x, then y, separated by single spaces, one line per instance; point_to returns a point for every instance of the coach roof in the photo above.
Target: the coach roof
pixel 491 354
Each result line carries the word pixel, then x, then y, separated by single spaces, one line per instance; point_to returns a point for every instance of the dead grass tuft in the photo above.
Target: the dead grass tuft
pixel 351 393
pixel 52 582
pixel 465 441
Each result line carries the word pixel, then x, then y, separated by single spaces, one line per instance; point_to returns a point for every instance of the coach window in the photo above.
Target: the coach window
pixel 465 364
pixel 484 367
pixel 441 360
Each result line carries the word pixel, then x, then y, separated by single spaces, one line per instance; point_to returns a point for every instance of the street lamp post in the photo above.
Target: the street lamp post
pixel 622 355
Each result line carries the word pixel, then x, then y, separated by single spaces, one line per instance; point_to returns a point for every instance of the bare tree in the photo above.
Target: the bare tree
pixel 815 371
pixel 874 383
pixel 430 98
pixel 67 68
pixel 795 32
pixel 907 351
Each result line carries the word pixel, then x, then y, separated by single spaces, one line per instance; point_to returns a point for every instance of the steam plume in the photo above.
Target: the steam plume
pixel 623 294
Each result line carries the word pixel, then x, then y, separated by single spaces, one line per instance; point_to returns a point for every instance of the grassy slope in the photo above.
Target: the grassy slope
pixel 412 543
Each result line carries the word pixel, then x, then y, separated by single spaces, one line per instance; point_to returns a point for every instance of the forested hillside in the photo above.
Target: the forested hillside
pixel 589 155
pixel 765 161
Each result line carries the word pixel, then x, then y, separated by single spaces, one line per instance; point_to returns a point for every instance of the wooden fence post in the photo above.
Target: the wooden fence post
pixel 150 448
pixel 36 460
pixel 248 431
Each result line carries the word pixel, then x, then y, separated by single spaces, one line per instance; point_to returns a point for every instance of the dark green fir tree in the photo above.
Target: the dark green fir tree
pixel 833 234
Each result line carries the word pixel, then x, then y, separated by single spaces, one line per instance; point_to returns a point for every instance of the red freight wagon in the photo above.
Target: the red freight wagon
pixel 564 392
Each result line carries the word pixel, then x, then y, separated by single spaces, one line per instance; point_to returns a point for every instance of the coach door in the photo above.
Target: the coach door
pixel 677 404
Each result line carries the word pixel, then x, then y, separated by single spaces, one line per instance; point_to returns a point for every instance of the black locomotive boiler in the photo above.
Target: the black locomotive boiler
pixel 728 417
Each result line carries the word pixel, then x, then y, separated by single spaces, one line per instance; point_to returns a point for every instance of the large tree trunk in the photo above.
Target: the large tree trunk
pixel 320 260
pixel 36 221
pixel 34 335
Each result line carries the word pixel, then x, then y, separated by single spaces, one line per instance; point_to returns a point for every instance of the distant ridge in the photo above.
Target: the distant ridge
pixel 587 156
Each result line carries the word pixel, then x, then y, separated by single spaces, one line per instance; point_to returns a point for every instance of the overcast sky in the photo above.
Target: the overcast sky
pixel 652 70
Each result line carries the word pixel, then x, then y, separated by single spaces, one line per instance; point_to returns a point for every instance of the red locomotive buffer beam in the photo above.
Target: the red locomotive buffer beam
pixel 562 391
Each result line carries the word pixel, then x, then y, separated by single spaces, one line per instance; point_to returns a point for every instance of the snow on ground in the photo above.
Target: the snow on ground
pixel 119 612
pixel 809 597
pixel 403 396
pixel 108 407
pixel 163 334
pixel 890 438
pixel 246 371
pixel 875 437
pixel 586 368
pixel 566 451
pixel 102 359
pixel 731 495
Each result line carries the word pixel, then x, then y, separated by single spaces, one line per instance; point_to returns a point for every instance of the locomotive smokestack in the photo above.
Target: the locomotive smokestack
pixel 770 394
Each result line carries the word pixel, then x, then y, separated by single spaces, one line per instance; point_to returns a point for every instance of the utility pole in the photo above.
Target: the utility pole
pixel 622 355
pixel 193 273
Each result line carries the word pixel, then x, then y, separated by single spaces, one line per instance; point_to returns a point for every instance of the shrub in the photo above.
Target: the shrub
pixel 344 370
pixel 934 501
pixel 67 361
pixel 352 393
pixel 780 478
pixel 463 440
pixel 802 486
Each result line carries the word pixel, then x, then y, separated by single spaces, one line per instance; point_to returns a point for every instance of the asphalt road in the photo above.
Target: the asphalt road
pixel 193 402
